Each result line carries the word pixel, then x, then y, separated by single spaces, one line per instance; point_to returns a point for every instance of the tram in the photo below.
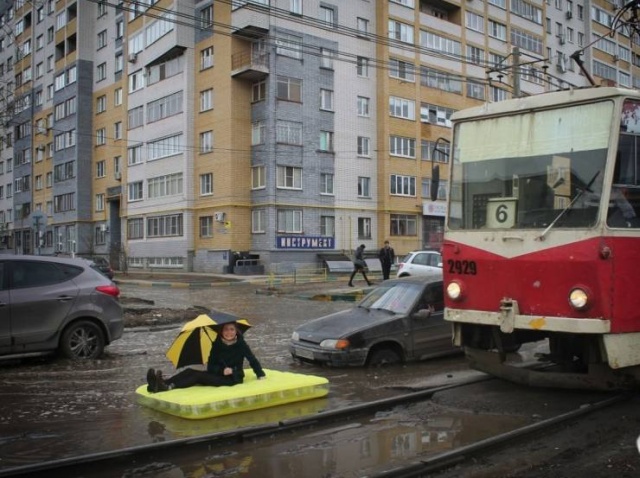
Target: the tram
pixel 542 237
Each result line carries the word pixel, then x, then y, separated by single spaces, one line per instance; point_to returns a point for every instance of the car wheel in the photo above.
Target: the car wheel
pixel 382 357
pixel 82 340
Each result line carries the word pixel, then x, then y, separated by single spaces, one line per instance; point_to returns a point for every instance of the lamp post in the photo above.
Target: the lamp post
pixel 38 219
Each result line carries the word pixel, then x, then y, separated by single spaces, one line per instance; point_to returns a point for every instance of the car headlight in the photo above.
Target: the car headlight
pixel 579 298
pixel 334 344
pixel 454 291
pixel 295 336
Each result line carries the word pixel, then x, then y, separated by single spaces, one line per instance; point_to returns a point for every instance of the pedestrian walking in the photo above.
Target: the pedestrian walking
pixel 359 265
pixel 387 257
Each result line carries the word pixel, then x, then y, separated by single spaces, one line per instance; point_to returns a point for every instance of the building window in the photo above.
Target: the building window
pixel 289 177
pixel 101 104
pixel 117 130
pixel 206 184
pixel 258 133
pixel 363 26
pixel 163 186
pixel 403 225
pixel 165 147
pixel 326 183
pixel 295 6
pixel 403 147
pixel 289 45
pixel 164 107
pixel 402 185
pixel 206 226
pixel 101 73
pixel 327 226
pixel 326 141
pixel 362 67
pixel 164 226
pixel 258 221
pixel 206 142
pixel 364 187
pixel 102 39
pixel 206 58
pixel 363 106
pixel 402 108
pixel 134 155
pixel 258 179
pixel 206 17
pixel 101 136
pixel 135 228
pixel 259 91
pixel 206 100
pixel 117 97
pixel 328 16
pixel 326 58
pixel 364 145
pixel 402 70
pixel 400 31
pixel 100 169
pixel 135 117
pixel 289 132
pixel 135 191
pixel 289 89
pixel 326 100
pixel 364 228
pixel 290 220
pixel 100 202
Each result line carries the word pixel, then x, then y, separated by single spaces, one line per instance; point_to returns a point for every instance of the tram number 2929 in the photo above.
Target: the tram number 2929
pixel 462 267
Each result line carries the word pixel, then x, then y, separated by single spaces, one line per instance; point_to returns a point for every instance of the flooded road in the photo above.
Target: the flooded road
pixel 55 409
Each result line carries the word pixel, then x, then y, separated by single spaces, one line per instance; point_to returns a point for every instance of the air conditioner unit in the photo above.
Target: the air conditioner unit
pixel 104 228
pixel 133 57
pixel 40 148
pixel 569 14
pixel 615 58
pixel 117 175
pixel 218 216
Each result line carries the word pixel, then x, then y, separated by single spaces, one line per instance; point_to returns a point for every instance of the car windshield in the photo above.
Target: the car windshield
pixel 397 298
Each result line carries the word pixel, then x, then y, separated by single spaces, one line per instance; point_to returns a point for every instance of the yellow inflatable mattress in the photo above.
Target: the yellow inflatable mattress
pixel 206 402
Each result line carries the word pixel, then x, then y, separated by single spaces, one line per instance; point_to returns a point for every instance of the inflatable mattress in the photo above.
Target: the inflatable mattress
pixel 206 402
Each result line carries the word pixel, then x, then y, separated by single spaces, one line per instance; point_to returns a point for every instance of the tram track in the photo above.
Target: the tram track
pixel 83 464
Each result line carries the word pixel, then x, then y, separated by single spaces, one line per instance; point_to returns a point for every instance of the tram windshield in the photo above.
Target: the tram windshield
pixel 530 170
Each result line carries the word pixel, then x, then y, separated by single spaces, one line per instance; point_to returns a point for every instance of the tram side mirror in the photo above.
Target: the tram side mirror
pixel 435 181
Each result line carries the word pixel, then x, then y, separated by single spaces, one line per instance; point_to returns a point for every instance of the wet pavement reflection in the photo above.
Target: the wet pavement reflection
pixel 53 409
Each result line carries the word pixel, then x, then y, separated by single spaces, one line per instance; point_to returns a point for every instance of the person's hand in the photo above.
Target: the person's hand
pixel 227 371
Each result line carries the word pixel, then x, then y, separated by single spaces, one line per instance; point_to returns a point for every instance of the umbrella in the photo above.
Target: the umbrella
pixel 192 346
pixel 221 318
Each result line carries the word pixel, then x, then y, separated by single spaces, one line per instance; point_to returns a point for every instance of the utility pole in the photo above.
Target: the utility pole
pixel 515 71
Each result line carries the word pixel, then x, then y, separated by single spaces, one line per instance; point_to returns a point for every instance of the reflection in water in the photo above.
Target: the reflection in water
pixel 352 451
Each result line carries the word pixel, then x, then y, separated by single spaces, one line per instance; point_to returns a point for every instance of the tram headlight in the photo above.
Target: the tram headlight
pixel 579 299
pixel 454 291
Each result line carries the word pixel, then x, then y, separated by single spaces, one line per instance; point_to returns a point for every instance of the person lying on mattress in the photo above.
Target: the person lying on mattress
pixel 224 368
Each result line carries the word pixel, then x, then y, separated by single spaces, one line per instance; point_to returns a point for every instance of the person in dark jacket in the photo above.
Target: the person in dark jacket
pixel 224 367
pixel 387 256
pixel 359 265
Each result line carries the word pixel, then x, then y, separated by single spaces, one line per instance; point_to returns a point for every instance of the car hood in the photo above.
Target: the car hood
pixel 343 324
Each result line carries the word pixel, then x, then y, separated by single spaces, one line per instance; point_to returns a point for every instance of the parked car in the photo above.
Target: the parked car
pixel 103 266
pixel 50 304
pixel 400 320
pixel 421 263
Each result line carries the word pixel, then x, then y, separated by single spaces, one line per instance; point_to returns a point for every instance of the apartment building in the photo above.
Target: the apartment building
pixel 171 135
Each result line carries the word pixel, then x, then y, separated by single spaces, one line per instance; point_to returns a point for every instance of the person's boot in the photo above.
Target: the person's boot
pixel 350 284
pixel 161 385
pixel 151 381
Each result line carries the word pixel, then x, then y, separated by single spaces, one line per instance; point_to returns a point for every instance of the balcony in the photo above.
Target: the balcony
pixel 249 66
pixel 250 21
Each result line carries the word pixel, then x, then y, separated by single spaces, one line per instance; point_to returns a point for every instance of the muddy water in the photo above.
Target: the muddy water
pixel 54 409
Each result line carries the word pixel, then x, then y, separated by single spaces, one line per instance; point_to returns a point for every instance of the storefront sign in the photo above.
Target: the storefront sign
pixel 434 208
pixel 305 242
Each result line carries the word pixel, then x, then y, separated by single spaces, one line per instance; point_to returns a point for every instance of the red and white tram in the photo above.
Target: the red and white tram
pixel 542 239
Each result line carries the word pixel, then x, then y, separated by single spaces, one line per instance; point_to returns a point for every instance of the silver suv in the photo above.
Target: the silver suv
pixel 421 263
pixel 50 304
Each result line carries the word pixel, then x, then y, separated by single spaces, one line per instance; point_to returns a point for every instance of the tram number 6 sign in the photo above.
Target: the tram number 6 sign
pixel 501 213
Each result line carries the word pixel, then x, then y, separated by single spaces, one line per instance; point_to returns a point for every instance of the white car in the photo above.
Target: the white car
pixel 421 263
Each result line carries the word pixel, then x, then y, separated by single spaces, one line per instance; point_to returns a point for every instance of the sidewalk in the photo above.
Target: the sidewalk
pixel 331 288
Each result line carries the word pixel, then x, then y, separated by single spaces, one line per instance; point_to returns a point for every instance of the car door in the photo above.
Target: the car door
pixel 5 312
pixel 41 295
pixel 431 335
